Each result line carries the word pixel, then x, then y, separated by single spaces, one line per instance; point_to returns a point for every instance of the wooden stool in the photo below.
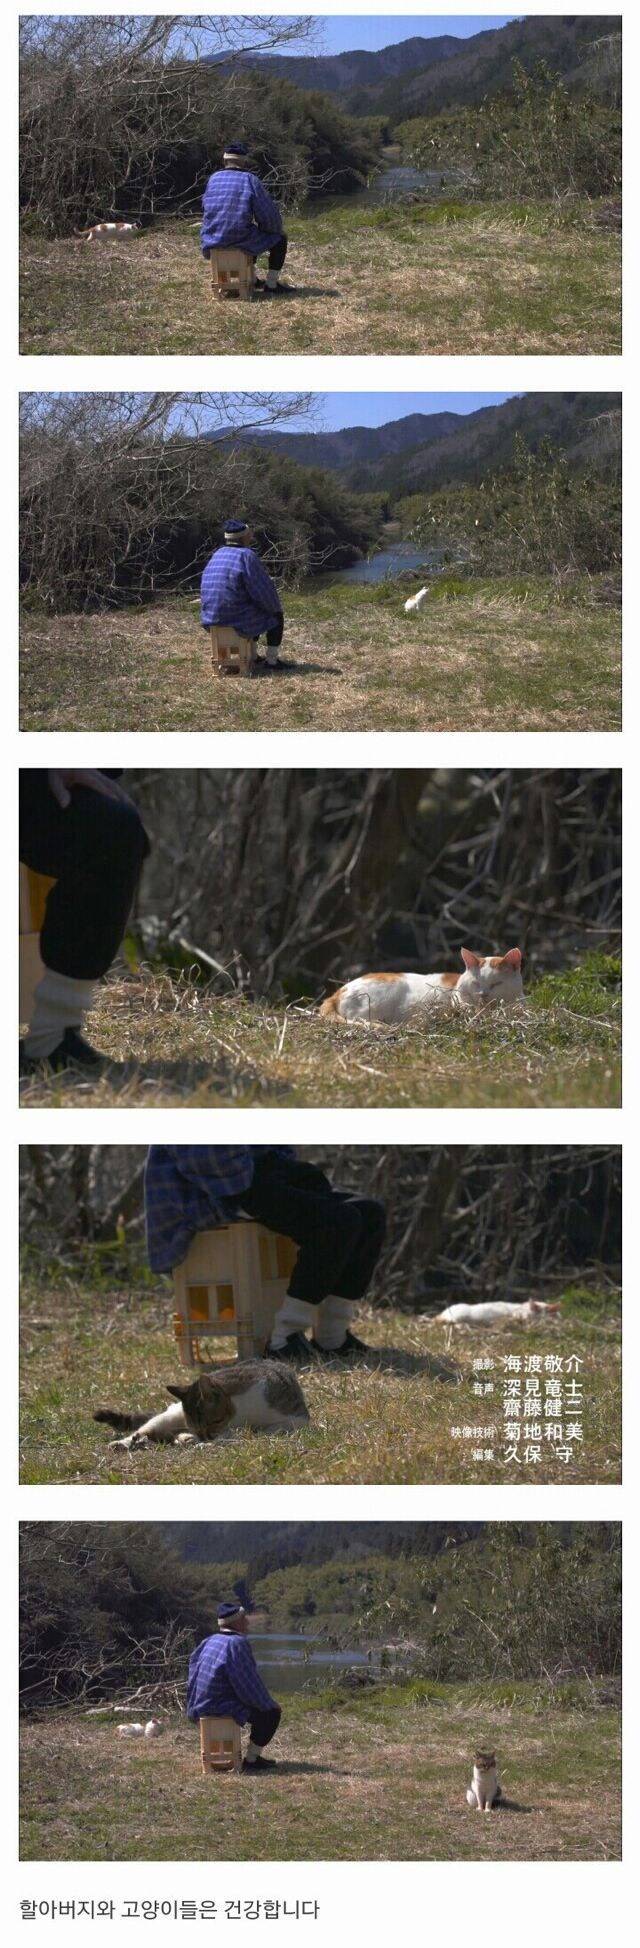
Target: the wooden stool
pixel 233 272
pixel 34 890
pixel 232 1281
pixel 220 1747
pixel 226 642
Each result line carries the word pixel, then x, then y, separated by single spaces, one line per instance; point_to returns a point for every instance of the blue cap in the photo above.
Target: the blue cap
pixel 234 528
pixel 235 149
pixel 230 1610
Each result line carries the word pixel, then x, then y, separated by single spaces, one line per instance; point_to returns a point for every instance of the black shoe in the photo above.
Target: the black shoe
pixel 71 1053
pixel 296 1350
pixel 259 1765
pixel 351 1348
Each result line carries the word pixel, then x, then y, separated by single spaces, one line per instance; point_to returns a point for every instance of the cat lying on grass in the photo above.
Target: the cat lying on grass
pixel 499 1312
pixel 249 1393
pixel 395 997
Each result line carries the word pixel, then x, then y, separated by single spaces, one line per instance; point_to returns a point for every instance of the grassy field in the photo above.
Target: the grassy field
pixel 378 1777
pixel 387 1420
pixel 446 279
pixel 510 657
pixel 173 1042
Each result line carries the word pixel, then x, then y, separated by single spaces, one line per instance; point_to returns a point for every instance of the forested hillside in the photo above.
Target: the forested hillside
pixel 106 1606
pixel 421 76
pixel 421 450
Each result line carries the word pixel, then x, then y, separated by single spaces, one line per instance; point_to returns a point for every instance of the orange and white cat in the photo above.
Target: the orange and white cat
pixel 394 997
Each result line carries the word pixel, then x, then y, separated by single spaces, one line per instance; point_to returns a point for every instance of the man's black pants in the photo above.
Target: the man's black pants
pixel 263 1725
pixel 94 850
pixel 278 253
pixel 274 636
pixel 340 1235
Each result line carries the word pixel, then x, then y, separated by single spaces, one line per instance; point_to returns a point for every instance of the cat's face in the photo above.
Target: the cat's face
pixel 207 1407
pixel 495 977
pixel 484 1761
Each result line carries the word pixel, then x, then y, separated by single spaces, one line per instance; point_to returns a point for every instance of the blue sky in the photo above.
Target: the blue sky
pixel 336 409
pixel 338 33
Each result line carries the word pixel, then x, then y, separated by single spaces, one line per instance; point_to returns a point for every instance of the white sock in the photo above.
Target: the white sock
pixel 59 1003
pixel 295 1315
pixel 272 280
pixel 252 1752
pixel 333 1318
pixel 271 655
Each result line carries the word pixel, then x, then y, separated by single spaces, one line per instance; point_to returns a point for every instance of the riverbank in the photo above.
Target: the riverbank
pixel 378 1776
pixel 425 278
pixel 479 655
pixel 393 1418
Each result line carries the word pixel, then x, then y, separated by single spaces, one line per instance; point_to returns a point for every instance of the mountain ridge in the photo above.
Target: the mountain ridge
pixel 421 451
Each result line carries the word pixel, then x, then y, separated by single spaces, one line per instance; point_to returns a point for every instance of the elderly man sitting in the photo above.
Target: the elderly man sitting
pixel 236 590
pixel 239 214
pixel 224 1682
pixel 195 1187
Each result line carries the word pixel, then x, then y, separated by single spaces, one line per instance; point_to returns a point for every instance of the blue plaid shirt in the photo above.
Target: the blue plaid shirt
pixel 190 1188
pixel 239 213
pixel 236 589
pixel 224 1681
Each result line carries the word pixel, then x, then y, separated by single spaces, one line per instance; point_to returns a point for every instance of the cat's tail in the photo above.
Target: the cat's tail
pixel 125 1423
pixel 332 1004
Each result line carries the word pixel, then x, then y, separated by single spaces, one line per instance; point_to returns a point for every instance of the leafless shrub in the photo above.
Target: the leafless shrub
pixel 111 104
pixel 290 878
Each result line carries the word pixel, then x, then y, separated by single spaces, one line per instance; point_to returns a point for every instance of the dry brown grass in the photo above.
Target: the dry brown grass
pixel 491 659
pixel 381 1780
pixel 389 1419
pixel 175 1043
pixel 410 281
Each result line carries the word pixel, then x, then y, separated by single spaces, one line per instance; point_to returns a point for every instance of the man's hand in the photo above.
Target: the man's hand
pixel 61 784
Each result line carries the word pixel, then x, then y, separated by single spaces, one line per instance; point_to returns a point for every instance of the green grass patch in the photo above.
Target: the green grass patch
pixel 445 278
pixel 389 1419
pixel 479 655
pixel 379 1779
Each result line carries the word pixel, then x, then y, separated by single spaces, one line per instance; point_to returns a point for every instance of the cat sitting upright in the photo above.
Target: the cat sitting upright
pixel 394 997
pixel 485 1788
pixel 248 1393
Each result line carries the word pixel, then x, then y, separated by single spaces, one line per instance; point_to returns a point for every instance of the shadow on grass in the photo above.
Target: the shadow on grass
pixel 389 1359
pixel 291 1766
pixel 184 1073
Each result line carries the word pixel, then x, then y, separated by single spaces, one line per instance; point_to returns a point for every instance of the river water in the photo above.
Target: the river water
pixel 388 562
pixel 397 180
pixel 289 1661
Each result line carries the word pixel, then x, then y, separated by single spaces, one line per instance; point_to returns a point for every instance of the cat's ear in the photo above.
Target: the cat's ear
pixel 513 958
pixel 179 1393
pixel 470 960
pixel 556 1306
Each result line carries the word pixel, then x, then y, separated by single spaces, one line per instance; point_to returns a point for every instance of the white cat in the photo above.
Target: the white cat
pixel 130 1731
pixel 485 1786
pixel 153 1728
pixel 248 1393
pixel 415 601
pixel 499 1312
pixel 394 997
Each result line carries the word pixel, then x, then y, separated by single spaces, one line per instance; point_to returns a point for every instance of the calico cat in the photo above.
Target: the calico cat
pixel 485 1787
pixel 393 997
pixel 499 1312
pixel 249 1393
